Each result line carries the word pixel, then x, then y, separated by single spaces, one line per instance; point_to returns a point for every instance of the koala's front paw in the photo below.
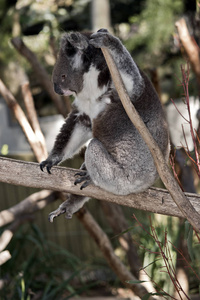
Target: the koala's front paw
pixel 101 38
pixel 49 163
pixel 77 40
pixel 46 164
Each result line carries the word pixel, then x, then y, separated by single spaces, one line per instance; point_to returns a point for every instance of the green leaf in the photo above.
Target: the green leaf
pixel 190 242
pixel 135 281
pixel 147 296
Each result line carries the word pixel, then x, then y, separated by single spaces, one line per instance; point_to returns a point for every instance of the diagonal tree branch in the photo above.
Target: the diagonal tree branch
pixel 190 47
pixel 32 116
pixel 188 211
pixel 21 118
pixel 41 73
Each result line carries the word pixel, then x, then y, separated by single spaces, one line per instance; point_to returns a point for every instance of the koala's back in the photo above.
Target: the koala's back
pixel 116 132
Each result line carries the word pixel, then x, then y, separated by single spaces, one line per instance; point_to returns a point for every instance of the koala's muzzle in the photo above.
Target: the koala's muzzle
pixel 58 89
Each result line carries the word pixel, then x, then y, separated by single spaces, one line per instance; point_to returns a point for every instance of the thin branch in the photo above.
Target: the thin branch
pixel 190 47
pixel 21 118
pixel 31 204
pixel 62 179
pixel 4 257
pixel 166 176
pixel 41 73
pixel 32 116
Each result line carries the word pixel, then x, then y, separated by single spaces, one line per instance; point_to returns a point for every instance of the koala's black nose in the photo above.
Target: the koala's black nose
pixel 58 89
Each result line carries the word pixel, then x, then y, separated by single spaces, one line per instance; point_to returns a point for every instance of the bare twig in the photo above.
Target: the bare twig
pixel 165 174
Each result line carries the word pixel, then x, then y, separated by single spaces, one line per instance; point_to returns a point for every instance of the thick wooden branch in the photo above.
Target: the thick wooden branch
pixel 62 179
pixel 186 208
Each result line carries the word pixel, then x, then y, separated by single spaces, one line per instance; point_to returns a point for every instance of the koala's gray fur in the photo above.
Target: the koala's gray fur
pixel 117 159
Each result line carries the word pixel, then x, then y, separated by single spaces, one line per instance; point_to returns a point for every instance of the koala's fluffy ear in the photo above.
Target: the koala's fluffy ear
pixel 102 30
pixel 66 46
pixel 76 40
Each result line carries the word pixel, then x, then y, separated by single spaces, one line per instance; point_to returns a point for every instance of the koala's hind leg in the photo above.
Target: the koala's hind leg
pixel 69 207
pixel 104 170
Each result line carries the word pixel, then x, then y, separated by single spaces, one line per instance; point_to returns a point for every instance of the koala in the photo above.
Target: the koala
pixel 116 159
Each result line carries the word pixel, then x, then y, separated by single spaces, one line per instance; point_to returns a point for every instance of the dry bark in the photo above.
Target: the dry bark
pixel 40 72
pixel 62 179
pixel 166 176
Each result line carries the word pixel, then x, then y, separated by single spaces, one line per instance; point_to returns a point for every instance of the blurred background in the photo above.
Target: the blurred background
pixel 61 260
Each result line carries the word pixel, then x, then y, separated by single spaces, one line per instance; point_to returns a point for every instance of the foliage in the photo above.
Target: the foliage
pixel 159 248
pixel 155 28
pixel 39 267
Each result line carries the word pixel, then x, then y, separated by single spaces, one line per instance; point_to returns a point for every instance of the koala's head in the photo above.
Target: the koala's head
pixel 74 59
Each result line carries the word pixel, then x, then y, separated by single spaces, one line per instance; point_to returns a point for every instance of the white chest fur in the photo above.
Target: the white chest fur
pixel 88 100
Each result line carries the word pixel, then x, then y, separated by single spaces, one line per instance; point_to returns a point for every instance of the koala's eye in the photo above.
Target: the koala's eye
pixel 63 77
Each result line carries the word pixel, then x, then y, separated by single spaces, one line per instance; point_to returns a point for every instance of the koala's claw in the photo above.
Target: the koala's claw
pixel 44 164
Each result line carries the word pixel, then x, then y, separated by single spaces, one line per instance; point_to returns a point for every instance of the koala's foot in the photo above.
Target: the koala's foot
pixel 69 207
pixel 83 177
pixel 77 40
pixel 56 213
